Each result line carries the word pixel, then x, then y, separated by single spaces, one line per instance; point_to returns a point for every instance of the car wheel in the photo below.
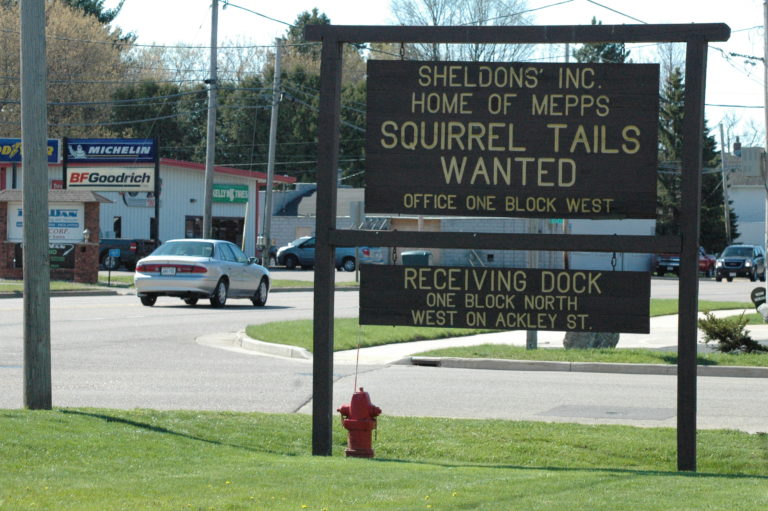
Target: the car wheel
pixel 219 296
pixel 730 279
pixel 260 298
pixel 291 262
pixel 191 301
pixel 348 264
pixel 753 276
pixel 762 277
pixel 148 300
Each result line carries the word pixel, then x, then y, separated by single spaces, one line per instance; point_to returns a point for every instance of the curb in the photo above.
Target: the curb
pixel 585 367
pixel 267 348
pixel 106 292
pixel 60 293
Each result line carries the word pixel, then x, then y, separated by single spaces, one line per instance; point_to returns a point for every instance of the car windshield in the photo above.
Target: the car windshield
pixel 738 252
pixel 185 248
pixel 298 241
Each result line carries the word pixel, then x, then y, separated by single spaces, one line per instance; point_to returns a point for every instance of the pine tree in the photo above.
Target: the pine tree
pixel 712 227
pixel 603 53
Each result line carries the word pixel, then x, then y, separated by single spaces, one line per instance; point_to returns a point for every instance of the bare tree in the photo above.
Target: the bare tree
pixel 84 68
pixel 466 13
pixel 671 56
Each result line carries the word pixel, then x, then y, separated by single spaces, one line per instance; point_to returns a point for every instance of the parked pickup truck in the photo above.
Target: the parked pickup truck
pixel 130 252
pixel 670 263
pixel 301 252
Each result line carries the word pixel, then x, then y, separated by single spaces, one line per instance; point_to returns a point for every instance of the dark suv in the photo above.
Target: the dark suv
pixel 741 261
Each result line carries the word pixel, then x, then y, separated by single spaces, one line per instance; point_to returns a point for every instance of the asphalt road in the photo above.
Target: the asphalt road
pixel 112 352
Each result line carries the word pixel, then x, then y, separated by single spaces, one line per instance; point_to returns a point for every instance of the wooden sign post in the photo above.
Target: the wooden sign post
pixel 576 141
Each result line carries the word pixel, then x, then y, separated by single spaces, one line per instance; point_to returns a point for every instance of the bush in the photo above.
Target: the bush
pixel 729 334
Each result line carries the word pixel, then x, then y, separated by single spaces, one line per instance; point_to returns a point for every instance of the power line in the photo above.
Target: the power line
pixel 618 12
pixel 228 3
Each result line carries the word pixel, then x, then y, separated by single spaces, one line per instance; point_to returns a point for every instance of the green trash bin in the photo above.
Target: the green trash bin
pixel 416 258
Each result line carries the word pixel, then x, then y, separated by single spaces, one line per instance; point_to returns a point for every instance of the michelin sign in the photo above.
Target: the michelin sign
pixel 110 178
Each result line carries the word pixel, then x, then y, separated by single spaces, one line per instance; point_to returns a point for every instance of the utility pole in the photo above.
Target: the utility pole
pixel 210 147
pixel 726 209
pixel 37 274
pixel 267 228
pixel 764 163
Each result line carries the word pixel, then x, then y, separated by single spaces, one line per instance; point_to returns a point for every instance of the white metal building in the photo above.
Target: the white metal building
pixel 131 215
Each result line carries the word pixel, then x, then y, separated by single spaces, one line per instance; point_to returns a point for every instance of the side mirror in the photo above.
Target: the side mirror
pixel 252 260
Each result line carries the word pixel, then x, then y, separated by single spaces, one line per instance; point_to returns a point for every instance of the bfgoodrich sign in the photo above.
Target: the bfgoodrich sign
pixel 512 139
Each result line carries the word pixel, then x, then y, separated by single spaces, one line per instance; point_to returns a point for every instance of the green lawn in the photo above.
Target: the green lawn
pixel 95 459
pixel 349 334
pixel 126 281
pixel 615 356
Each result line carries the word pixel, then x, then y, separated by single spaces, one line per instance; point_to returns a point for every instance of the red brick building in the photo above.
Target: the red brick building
pixel 70 259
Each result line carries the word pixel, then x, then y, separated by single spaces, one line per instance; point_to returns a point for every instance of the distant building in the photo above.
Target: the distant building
pixel 747 193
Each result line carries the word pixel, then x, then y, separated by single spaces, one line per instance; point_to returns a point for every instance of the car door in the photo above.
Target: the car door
pixel 231 268
pixel 249 274
pixel 306 253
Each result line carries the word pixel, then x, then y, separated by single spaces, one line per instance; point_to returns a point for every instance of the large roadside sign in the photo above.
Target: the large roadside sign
pixel 512 139
pixel 104 176
pixel 505 298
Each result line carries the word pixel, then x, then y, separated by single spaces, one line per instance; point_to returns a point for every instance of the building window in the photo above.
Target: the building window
pixel 117 226
pixel 193 227
pixel 222 228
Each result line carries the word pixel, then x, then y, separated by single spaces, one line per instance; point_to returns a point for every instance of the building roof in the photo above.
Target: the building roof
pixel 344 199
pixel 260 177
pixel 56 196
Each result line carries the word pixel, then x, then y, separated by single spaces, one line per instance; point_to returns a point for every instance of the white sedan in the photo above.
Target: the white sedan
pixel 200 268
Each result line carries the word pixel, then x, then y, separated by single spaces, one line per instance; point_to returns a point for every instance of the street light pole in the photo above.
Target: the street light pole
pixel 267 230
pixel 726 211
pixel 210 147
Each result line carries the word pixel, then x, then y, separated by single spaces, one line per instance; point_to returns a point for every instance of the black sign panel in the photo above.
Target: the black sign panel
pixel 512 139
pixel 61 255
pixel 505 298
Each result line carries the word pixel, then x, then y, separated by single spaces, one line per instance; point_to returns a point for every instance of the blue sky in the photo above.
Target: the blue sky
pixel 732 79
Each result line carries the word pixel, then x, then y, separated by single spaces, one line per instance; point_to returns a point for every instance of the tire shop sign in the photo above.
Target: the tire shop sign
pixel 512 139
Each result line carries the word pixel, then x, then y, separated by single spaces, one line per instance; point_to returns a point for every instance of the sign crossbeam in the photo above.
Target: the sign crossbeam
pixel 515 34
pixel 507 241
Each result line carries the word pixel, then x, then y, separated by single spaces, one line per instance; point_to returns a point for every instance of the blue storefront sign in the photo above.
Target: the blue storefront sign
pixel 10 150
pixel 110 150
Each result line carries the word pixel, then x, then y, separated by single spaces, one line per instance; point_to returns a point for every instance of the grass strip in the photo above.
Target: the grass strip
pixel 96 459
pixel 615 356
pixel 126 281
pixel 349 334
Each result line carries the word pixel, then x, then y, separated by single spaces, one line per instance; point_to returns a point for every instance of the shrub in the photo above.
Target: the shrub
pixel 729 334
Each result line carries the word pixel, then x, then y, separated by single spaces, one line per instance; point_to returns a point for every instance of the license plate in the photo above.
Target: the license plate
pixel 669 268
pixel 168 270
pixel 732 274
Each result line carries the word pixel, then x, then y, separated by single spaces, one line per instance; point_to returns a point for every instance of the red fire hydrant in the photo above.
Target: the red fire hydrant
pixel 360 420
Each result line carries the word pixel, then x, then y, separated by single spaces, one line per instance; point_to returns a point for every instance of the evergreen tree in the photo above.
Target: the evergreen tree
pixel 604 53
pixel 712 226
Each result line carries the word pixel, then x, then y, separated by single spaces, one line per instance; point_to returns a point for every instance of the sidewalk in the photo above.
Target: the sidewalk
pixel 663 336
